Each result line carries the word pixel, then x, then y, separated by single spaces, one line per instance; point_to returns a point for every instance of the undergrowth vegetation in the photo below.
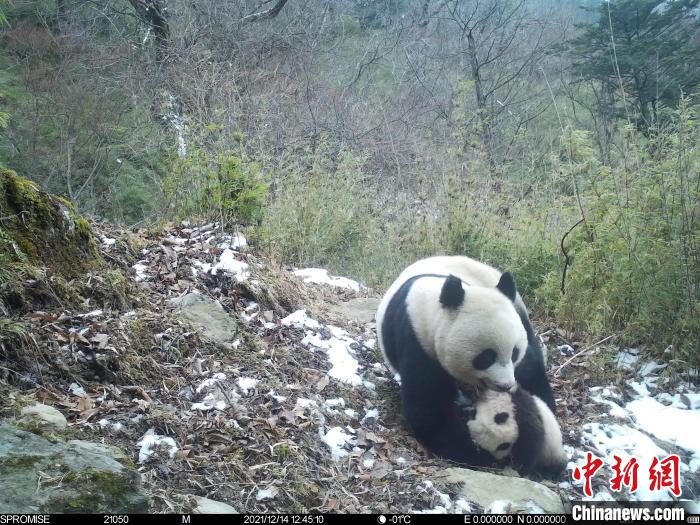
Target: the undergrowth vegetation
pixel 630 263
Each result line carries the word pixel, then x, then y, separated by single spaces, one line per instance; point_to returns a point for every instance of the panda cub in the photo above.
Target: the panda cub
pixel 452 321
pixel 522 426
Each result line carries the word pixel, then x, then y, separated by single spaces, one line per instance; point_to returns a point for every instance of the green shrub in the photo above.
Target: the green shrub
pixel 635 268
pixel 323 216
pixel 223 186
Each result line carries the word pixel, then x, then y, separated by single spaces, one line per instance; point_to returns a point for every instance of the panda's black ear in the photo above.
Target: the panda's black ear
pixel 452 293
pixel 507 286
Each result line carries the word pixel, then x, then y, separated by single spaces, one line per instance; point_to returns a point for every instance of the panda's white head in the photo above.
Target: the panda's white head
pixel 479 337
pixel 494 427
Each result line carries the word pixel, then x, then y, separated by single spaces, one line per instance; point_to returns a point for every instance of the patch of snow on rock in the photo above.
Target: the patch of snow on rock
pixel 462 506
pixel 650 368
pixel 627 358
pixel 500 506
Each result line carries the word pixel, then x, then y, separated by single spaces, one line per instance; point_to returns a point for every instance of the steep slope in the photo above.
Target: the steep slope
pixel 225 376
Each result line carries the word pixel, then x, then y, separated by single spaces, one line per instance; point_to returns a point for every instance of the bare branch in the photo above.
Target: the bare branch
pixel 265 15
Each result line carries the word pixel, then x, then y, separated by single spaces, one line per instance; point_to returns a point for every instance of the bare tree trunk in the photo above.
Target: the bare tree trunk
pixel 263 15
pixel 482 110
pixel 60 15
pixel 152 12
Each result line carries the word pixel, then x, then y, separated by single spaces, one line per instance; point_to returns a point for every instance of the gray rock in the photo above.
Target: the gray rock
pixel 485 488
pixel 361 309
pixel 100 449
pixel 44 416
pixel 208 315
pixel 210 506
pixel 42 476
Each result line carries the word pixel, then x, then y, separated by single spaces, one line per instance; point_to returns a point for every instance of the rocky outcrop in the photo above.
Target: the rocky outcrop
pixel 509 494
pixel 44 243
pixel 210 506
pixel 206 314
pixel 43 417
pixel 361 309
pixel 43 476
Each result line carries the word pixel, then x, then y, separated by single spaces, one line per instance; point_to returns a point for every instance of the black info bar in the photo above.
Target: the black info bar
pixel 579 515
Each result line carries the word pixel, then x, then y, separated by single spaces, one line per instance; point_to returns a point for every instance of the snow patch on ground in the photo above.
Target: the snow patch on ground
pixel 209 402
pixel 141 274
pixel 336 439
pixel 264 494
pixel 678 427
pixel 236 241
pixel 151 441
pixel 77 390
pixel 215 396
pixel 113 427
pixel 228 263
pixel 300 319
pixel 320 276
pixel 344 366
pixel 672 419
pixel 246 384
pixel 208 383
pixel 371 414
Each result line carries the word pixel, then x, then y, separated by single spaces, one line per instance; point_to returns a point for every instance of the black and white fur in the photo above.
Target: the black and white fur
pixel 521 426
pixel 447 321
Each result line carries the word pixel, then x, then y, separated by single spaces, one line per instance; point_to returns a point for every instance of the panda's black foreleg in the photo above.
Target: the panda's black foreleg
pixel 531 374
pixel 428 397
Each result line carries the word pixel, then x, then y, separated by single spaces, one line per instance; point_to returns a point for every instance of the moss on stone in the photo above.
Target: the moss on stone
pixel 45 228
pixel 9 463
pixel 93 491
pixel 40 235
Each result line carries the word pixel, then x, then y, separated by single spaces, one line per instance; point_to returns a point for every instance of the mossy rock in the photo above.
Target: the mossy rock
pixel 45 247
pixel 43 230
pixel 49 476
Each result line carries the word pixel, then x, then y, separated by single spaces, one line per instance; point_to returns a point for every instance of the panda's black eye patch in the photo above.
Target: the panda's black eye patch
pixel 501 418
pixel 516 353
pixel 503 446
pixel 485 359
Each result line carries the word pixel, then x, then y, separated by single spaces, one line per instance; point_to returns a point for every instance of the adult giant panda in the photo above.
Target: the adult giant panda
pixel 521 426
pixel 447 321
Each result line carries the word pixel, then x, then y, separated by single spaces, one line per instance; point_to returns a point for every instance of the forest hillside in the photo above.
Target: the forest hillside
pixel 167 168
